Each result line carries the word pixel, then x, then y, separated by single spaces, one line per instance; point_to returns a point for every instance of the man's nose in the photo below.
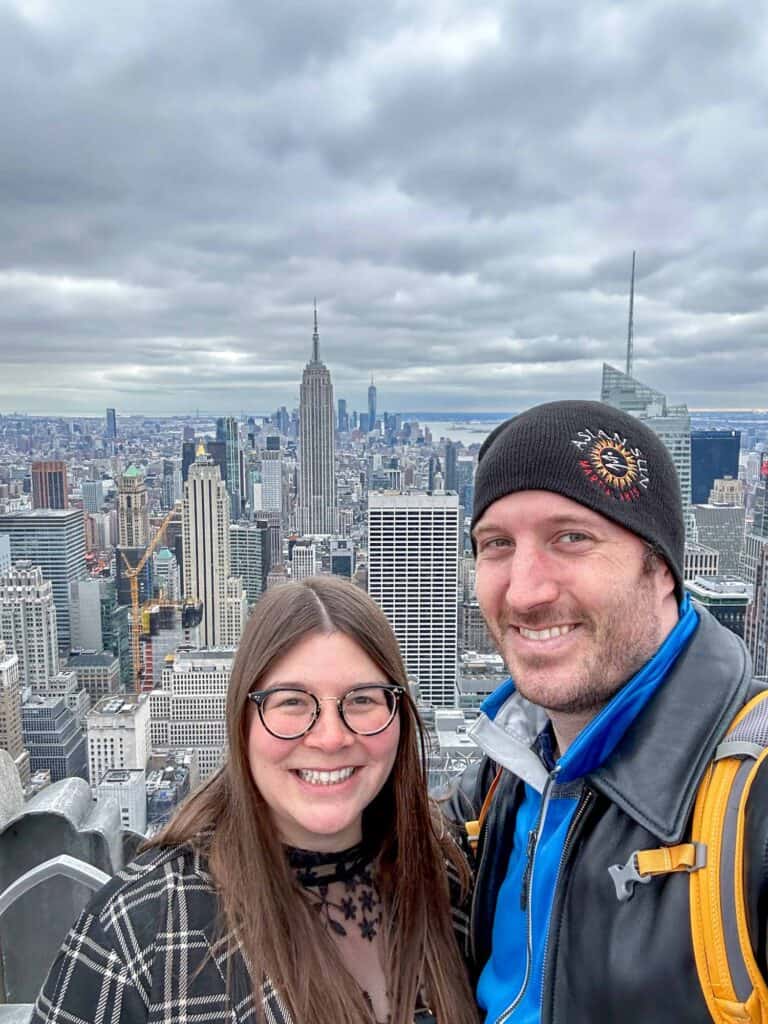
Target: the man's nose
pixel 532 580
pixel 329 732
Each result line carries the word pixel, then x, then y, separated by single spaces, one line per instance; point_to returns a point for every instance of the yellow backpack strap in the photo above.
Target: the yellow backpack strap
pixel 730 978
pixel 643 865
pixel 473 828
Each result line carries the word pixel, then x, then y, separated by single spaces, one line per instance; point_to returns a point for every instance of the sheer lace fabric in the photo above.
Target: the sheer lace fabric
pixel 342 889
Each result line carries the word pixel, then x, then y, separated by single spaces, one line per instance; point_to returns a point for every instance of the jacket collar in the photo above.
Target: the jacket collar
pixel 654 773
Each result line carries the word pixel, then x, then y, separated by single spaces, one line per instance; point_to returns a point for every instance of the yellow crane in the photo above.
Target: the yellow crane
pixel 132 575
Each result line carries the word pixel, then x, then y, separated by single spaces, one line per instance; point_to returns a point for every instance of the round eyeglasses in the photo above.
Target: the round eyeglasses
pixel 288 712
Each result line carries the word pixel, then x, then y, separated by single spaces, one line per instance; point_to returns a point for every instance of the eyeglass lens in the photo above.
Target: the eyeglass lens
pixel 289 713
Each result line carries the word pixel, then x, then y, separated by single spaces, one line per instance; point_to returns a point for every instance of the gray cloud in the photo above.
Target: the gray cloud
pixel 461 185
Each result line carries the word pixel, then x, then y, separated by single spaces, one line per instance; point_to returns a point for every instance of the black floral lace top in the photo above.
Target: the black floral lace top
pixel 342 888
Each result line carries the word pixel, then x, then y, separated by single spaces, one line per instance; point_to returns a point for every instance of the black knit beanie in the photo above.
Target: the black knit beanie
pixel 599 456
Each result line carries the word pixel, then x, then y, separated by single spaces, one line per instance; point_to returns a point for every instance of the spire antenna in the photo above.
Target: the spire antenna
pixel 631 325
pixel 315 340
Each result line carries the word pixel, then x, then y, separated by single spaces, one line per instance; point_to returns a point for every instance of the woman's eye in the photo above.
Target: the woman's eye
pixel 291 702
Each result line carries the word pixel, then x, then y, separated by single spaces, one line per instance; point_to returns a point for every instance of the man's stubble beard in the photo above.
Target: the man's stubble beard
pixel 626 638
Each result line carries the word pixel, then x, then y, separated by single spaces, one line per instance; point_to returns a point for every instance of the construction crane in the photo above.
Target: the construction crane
pixel 132 575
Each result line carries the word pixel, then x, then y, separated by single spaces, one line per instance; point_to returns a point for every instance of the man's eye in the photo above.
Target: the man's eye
pixel 573 537
pixel 494 543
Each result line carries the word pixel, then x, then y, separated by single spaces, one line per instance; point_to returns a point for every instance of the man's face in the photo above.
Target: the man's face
pixel 570 599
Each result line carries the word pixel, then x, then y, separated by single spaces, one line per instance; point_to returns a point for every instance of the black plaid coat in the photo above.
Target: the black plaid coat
pixel 148 950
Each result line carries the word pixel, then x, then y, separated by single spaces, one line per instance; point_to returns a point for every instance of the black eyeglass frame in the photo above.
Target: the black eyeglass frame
pixel 258 697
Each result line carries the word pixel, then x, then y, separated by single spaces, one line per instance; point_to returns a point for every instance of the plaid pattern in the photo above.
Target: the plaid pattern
pixel 148 950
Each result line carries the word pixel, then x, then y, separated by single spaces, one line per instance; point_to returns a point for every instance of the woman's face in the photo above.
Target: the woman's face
pixel 312 810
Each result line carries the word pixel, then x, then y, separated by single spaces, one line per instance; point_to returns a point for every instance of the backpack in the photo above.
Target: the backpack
pixel 731 980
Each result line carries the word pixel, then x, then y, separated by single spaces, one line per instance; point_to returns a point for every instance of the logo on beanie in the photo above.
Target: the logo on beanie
pixel 611 463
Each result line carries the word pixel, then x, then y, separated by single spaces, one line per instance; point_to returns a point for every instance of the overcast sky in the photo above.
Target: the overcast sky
pixel 461 185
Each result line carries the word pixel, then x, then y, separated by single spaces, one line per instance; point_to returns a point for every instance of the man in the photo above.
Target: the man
pixel 620 691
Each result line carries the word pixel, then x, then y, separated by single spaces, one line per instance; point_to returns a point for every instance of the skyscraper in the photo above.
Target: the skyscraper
pixel 413 566
pixel 722 527
pixel 93 496
pixel 132 509
pixel 755 568
pixel 672 423
pixel 205 531
pixel 249 545
pixel 53 737
pixel 317 487
pixel 28 622
pixel 342 557
pixel 49 484
pixel 54 539
pixel 111 432
pixel 187 458
pixel 171 486
pixel 272 476
pixel 342 420
pixel 714 455
pixel 304 561
pixel 100 622
pixel 451 467
pixel 118 734
pixel 189 708
pixel 433 473
pixel 11 733
pixel 372 406
pixel 227 433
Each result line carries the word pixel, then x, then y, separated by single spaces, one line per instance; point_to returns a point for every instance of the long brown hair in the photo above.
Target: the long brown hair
pixel 261 902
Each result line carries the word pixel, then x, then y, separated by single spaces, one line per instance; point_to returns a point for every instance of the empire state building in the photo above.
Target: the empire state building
pixel 317 490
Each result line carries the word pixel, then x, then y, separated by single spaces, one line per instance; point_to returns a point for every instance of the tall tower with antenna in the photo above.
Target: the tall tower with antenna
pixel 371 406
pixel 317 512
pixel 631 325
pixel 315 340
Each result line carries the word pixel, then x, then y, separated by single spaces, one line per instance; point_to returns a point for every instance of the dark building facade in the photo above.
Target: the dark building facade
pixel 53 738
pixel 187 458
pixel 451 467
pixel 726 597
pixel 714 455
pixel 49 485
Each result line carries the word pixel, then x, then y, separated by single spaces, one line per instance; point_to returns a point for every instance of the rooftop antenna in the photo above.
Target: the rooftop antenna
pixel 315 340
pixel 631 326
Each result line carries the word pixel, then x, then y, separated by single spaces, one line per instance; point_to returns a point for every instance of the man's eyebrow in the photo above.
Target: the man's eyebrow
pixel 485 528
pixel 572 519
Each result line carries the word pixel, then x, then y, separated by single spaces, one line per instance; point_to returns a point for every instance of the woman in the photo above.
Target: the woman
pixel 307 882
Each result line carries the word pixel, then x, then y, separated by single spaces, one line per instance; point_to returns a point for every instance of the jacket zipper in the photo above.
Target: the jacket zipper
pixel 586 799
pixel 527 893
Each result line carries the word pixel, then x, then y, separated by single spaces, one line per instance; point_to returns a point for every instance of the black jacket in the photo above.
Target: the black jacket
pixel 631 962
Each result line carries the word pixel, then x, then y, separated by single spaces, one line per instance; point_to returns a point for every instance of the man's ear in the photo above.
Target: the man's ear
pixel 665 588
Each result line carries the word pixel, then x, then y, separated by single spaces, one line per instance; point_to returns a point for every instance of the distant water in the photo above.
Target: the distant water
pixel 466 431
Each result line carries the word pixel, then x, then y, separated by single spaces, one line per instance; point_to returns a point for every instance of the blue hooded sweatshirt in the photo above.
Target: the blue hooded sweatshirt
pixel 511 983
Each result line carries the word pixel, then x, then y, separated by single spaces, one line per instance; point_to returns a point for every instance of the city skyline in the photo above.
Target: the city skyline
pixel 462 187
